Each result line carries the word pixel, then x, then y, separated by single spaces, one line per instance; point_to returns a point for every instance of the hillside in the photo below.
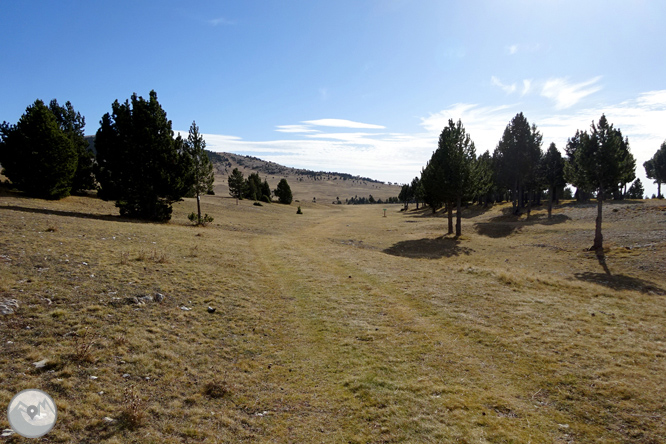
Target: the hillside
pixel 338 325
pixel 305 184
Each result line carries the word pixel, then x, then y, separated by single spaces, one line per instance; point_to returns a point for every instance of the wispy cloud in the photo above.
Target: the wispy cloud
pixel 220 21
pixel 512 49
pixel 342 123
pixel 295 129
pixel 506 88
pixel 527 87
pixel 566 94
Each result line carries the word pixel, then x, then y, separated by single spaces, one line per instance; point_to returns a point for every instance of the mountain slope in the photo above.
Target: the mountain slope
pixel 305 185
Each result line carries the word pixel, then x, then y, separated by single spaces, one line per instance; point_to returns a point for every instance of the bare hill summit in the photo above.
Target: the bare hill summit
pixel 306 185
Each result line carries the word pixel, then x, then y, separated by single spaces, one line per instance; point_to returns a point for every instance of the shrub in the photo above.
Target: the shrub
pixel 299 211
pixel 258 204
pixel 265 198
pixel 206 219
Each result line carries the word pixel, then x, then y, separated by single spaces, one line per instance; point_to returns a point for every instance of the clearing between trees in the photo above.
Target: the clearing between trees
pixel 337 325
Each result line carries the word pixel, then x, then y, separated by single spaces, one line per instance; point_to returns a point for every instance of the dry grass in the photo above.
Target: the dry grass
pixel 339 325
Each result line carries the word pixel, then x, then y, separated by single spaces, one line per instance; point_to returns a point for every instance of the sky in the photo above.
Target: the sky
pixel 354 86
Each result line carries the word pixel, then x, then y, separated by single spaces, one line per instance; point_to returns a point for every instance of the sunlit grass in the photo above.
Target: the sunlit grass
pixel 338 325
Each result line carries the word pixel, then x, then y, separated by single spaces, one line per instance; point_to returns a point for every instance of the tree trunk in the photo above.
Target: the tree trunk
pixel 598 237
pixel 514 197
pixel 449 206
pixel 199 207
pixel 659 190
pixel 529 203
pixel 458 216
pixel 550 203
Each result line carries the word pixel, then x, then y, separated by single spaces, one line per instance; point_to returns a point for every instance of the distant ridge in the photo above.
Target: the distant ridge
pixel 306 185
pixel 226 162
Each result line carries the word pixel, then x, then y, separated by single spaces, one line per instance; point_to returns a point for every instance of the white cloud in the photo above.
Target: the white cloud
pixel 512 49
pixel 527 86
pixel 507 88
pixel 566 94
pixel 220 21
pixel 295 129
pixel 341 123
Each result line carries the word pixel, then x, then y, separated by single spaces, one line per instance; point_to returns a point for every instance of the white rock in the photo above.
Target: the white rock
pixel 40 364
pixel 6 433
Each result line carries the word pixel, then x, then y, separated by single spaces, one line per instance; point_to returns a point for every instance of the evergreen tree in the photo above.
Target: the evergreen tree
pixel 406 194
pixel 551 171
pixel 431 192
pixel 517 157
pixel 266 191
pixel 253 187
pixel 72 123
pixel 627 169
pixel 202 167
pixel 484 178
pixel 655 168
pixel 598 159
pixel 449 176
pixel 636 190
pixel 283 192
pixel 573 172
pixel 417 191
pixel 37 156
pixel 140 164
pixel 237 184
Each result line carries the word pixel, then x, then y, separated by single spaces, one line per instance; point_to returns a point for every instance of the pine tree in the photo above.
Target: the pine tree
pixel 202 167
pixel 72 124
pixel 283 192
pixel 37 156
pixel 265 191
pixel 598 160
pixel 655 168
pixel 253 187
pixel 449 176
pixel 551 171
pixel 517 157
pixel 484 178
pixel 636 190
pixel 237 184
pixel 140 164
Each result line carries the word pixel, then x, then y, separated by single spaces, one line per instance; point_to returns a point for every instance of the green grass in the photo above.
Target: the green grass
pixel 338 325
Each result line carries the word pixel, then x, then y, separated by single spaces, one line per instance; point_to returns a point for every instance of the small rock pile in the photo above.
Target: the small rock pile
pixel 8 306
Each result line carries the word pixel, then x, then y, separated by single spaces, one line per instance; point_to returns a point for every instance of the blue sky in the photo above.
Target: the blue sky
pixel 362 86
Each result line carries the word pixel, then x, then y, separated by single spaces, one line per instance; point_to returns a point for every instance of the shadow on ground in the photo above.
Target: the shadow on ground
pixel 428 248
pixel 617 281
pixel 506 224
pixel 107 217
pixel 620 282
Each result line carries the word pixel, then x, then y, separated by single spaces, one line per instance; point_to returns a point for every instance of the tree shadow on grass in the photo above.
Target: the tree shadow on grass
pixel 506 224
pixel 428 248
pixel 107 217
pixel 618 281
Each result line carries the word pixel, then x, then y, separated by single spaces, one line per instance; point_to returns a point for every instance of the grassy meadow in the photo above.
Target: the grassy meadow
pixel 336 326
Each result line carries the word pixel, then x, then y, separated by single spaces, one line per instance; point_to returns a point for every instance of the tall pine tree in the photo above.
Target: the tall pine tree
pixel 516 159
pixel 598 160
pixel 36 154
pixel 202 167
pixel 140 164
